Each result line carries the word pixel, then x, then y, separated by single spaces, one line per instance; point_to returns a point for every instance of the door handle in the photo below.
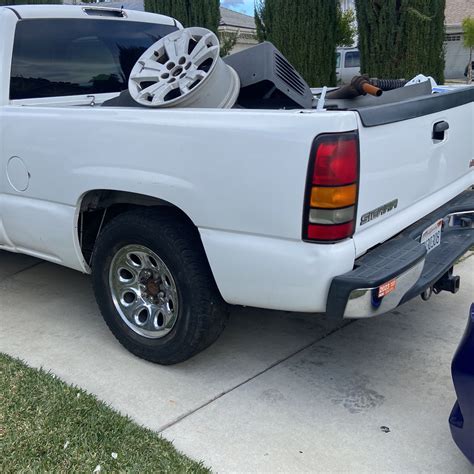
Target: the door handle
pixel 438 130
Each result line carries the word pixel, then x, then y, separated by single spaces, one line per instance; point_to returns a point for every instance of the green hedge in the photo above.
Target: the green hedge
pixel 401 38
pixel 204 13
pixel 306 32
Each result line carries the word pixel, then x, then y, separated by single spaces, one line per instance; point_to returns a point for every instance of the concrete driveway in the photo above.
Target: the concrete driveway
pixel 279 392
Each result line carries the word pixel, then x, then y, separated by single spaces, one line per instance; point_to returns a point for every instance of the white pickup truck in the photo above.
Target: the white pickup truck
pixel 178 213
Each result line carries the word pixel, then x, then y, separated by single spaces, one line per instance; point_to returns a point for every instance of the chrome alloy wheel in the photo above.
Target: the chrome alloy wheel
pixel 143 291
pixel 184 69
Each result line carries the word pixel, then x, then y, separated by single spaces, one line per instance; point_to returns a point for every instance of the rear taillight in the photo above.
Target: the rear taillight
pixel 332 188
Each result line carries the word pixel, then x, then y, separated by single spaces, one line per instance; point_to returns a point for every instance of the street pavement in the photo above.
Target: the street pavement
pixel 279 391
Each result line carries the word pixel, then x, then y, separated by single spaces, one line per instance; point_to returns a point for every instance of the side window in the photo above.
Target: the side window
pixel 352 59
pixel 338 60
pixel 64 57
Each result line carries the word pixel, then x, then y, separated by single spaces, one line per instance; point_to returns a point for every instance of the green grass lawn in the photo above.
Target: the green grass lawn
pixel 47 425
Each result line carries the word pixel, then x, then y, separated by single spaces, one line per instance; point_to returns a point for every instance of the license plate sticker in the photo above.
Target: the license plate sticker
pixel 431 237
pixel 387 288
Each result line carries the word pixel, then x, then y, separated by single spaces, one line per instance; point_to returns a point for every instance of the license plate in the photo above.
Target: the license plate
pixel 431 237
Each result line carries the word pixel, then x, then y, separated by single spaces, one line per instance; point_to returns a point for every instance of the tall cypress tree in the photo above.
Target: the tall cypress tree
pixel 305 32
pixel 401 38
pixel 205 13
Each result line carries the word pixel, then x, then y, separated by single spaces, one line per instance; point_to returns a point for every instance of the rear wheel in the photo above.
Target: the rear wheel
pixel 154 286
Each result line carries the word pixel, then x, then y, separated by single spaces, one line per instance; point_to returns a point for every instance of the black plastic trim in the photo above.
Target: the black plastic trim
pixel 413 108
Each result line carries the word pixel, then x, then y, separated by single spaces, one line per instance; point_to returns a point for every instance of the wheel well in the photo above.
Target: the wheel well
pixel 99 207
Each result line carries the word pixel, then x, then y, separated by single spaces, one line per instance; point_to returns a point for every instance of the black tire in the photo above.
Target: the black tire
pixel 202 313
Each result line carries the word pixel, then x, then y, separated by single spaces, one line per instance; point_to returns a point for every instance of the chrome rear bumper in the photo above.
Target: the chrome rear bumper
pixel 365 303
pixel 403 264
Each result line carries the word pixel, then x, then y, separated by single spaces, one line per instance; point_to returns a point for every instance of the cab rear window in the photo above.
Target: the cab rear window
pixel 64 57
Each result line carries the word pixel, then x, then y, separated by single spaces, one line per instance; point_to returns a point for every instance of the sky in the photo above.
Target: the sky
pixel 243 6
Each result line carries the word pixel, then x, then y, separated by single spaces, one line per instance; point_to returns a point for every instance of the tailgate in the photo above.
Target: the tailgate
pixel 406 171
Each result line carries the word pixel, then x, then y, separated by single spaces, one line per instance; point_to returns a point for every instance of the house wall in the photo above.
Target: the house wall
pixel 245 38
pixel 456 55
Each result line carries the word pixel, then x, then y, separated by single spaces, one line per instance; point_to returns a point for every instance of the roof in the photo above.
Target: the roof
pixel 239 20
pixel 77 11
pixel 457 10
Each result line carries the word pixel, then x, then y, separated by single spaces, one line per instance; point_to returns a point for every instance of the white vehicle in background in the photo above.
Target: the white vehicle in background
pixel 179 212
pixel 347 64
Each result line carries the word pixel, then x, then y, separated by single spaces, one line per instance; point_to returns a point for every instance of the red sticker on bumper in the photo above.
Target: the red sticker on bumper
pixel 387 288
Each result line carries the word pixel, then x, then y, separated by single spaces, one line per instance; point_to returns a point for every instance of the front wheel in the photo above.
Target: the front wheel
pixel 154 286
